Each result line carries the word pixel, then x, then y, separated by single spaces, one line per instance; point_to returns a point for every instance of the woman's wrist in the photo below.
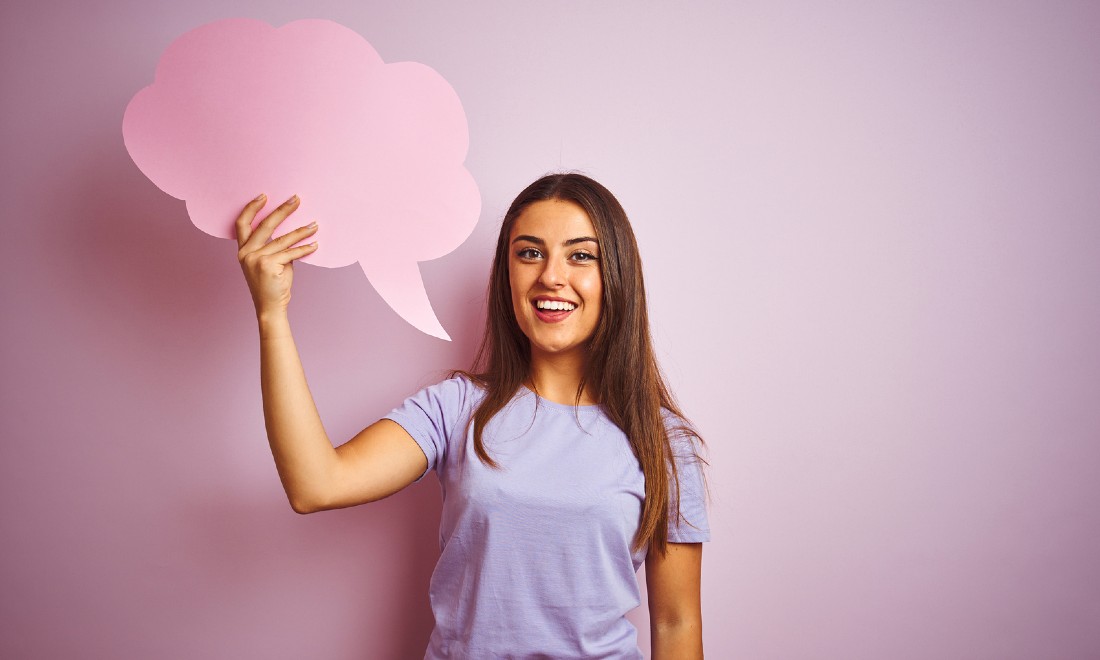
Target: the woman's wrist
pixel 273 323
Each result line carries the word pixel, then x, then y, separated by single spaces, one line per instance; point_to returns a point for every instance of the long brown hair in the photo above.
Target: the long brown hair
pixel 625 379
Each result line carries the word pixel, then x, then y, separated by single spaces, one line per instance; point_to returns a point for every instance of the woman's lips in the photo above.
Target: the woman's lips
pixel 551 315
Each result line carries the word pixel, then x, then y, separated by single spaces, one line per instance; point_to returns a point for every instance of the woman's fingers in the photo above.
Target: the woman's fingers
pixel 267 263
pixel 288 239
pixel 287 256
pixel 244 220
pixel 259 236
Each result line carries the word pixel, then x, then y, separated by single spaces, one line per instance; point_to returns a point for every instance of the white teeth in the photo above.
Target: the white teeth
pixel 555 305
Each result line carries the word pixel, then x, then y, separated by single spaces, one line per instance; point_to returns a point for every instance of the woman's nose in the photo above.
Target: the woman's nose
pixel 553 276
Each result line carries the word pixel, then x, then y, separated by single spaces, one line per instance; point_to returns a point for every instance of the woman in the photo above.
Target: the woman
pixel 563 459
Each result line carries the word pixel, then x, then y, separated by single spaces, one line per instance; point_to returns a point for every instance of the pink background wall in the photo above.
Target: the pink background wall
pixel 872 237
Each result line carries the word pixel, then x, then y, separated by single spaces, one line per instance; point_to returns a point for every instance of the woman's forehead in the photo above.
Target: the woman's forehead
pixel 553 220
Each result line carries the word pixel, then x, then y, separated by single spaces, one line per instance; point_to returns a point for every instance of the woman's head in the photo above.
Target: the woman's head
pixel 620 369
pixel 564 205
pixel 554 279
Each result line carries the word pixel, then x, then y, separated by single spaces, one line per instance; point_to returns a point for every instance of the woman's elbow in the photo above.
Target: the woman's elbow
pixel 303 507
pixel 304 503
pixel 687 627
pixel 678 639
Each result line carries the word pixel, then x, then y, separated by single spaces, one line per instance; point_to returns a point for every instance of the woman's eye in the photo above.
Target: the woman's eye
pixel 529 253
pixel 584 256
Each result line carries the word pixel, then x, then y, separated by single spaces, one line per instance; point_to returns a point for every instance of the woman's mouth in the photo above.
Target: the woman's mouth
pixel 552 311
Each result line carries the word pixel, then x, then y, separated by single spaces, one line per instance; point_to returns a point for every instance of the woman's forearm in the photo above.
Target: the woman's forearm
pixel 303 454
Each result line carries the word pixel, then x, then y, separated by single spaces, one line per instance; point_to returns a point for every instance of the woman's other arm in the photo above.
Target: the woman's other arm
pixel 380 460
pixel 675 612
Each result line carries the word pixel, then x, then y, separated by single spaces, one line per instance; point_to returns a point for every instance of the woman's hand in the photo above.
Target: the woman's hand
pixel 269 265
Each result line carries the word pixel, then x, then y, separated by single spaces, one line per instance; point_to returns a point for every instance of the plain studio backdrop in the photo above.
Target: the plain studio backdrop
pixel 871 234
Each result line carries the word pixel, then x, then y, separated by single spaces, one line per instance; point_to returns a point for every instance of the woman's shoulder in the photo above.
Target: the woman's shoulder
pixel 457 384
pixel 682 435
pixel 443 406
pixel 459 390
pixel 676 424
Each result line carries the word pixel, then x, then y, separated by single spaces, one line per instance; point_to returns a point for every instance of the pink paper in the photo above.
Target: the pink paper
pixel 374 150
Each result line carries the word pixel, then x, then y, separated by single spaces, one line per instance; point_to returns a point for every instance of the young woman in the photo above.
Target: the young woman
pixel 563 460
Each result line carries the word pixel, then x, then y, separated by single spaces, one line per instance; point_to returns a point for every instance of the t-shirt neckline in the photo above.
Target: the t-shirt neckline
pixel 568 407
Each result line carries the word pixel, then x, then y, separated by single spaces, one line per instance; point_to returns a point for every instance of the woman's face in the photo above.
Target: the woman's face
pixel 554 271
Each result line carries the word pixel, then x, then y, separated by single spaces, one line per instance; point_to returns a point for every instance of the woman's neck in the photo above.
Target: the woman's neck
pixel 557 378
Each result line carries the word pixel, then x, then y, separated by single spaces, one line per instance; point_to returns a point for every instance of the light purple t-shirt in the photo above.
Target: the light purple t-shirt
pixel 535 557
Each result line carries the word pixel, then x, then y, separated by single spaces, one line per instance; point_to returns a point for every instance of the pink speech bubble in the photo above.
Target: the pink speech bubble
pixel 375 150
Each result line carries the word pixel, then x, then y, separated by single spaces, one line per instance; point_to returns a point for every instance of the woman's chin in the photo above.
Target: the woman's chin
pixel 555 350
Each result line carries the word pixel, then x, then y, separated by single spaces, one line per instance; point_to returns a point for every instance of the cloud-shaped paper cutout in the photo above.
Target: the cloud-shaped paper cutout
pixel 374 150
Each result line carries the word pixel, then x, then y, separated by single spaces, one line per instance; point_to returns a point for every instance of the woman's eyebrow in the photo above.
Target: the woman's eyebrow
pixel 538 241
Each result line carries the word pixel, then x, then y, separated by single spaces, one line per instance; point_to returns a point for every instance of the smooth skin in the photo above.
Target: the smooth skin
pixel 380 460
pixel 554 254
pixel 383 458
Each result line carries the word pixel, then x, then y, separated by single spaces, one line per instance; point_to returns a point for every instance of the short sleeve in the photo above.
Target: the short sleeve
pixel 433 415
pixel 692 526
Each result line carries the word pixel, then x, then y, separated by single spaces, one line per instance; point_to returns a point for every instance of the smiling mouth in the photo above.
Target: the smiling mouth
pixel 554 305
pixel 552 311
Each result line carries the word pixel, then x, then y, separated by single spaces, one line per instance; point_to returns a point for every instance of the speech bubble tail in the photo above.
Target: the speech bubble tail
pixel 402 287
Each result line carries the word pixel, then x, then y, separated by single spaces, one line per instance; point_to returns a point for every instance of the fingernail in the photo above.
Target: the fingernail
pixel 261 196
pixel 293 198
pixel 311 225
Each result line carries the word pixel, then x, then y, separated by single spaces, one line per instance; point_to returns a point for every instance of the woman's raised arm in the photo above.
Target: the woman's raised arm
pixel 380 460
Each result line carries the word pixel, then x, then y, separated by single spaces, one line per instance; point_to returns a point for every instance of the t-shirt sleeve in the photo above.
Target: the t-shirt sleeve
pixel 692 526
pixel 433 416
